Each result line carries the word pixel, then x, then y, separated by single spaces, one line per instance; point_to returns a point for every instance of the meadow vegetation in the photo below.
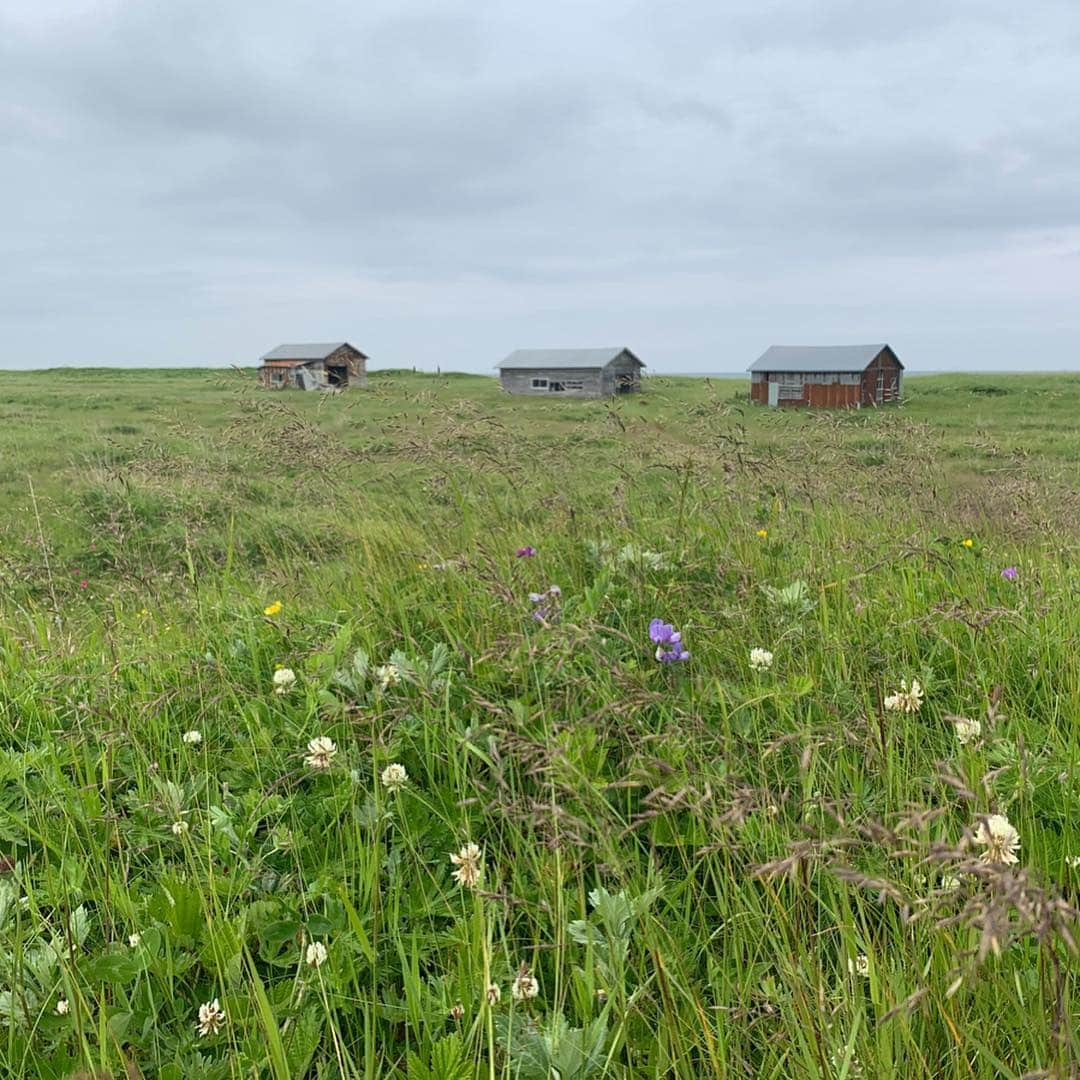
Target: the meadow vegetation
pixel 788 862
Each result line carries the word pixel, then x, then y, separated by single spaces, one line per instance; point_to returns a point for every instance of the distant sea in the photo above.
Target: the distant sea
pixel 909 371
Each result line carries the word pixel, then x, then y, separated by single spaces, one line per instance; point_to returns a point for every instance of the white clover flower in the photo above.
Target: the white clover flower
pixel 211 1018
pixel 191 738
pixel 320 753
pixel 470 866
pixel 524 985
pixel 950 882
pixel 388 675
pixel 760 659
pixel 493 994
pixel 999 838
pixel 394 777
pixel 859 966
pixel 134 939
pixel 457 1012
pixel 1072 862
pixel 906 700
pixel 316 954
pixel 284 680
pixel 62 1007
pixel 966 730
pixel 180 827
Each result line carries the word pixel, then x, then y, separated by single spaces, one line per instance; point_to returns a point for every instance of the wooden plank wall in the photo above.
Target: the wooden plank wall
pixel 519 381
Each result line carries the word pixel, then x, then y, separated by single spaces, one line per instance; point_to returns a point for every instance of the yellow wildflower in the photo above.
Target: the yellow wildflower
pixel 968 542
pixel 272 609
pixel 763 533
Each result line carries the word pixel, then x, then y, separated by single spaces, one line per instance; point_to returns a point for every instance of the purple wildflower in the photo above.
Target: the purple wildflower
pixel 526 552
pixel 546 604
pixel 668 641
pixel 1010 573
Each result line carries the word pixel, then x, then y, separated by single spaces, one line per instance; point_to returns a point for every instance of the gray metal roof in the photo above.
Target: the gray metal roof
pixel 310 351
pixel 564 358
pixel 802 358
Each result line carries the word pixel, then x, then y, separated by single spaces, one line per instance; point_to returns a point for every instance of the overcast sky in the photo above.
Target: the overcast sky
pixel 194 182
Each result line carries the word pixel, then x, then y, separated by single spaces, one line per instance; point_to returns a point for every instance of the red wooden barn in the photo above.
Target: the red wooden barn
pixel 826 376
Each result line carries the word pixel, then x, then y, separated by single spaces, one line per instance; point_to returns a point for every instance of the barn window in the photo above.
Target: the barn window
pixel 539 384
pixel 573 384
pixel 556 387
pixel 791 386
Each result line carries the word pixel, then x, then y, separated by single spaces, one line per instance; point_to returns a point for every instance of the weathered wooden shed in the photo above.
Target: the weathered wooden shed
pixel 826 376
pixel 571 372
pixel 318 366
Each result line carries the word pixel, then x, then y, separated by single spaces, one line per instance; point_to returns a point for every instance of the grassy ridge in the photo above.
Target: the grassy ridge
pixel 708 870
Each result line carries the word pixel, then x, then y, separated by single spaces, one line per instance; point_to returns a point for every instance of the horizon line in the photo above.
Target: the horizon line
pixel 909 372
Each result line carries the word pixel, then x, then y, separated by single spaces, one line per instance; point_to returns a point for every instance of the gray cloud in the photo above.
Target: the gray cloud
pixel 186 180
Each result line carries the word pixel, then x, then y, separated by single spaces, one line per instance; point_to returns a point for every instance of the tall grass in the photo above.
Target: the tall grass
pixel 708 870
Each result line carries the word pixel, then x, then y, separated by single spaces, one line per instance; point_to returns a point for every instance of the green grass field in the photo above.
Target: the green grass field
pixel 687 869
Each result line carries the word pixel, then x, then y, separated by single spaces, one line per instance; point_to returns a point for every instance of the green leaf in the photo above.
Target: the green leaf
pixel 448 1062
pixel 801 686
pixel 584 933
pixel 304 1041
pixel 113 969
pixel 274 937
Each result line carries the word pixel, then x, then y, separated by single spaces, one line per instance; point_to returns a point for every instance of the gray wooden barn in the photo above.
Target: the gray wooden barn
pixel 571 372
pixel 319 366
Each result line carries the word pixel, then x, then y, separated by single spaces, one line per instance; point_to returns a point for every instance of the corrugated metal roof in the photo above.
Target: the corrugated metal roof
pixel 804 358
pixel 284 363
pixel 566 359
pixel 315 351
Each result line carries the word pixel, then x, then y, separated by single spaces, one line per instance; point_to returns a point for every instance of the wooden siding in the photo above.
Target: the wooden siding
pixel 287 373
pixel 577 382
pixel 621 375
pixel 887 365
pixel 353 360
pixel 834 390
